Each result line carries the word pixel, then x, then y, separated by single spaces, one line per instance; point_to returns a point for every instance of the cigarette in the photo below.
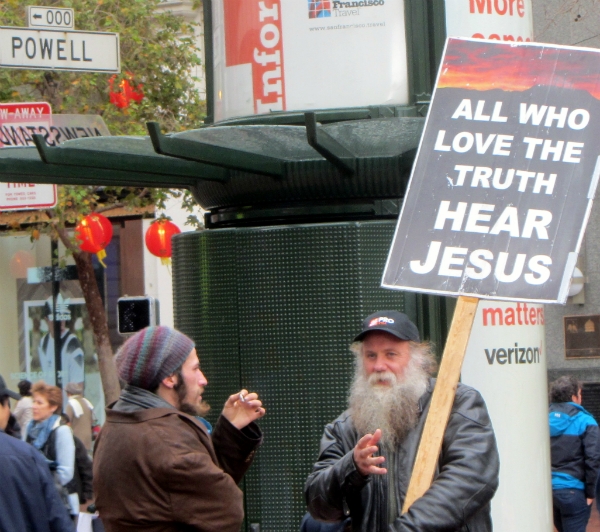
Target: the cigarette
pixel 242 398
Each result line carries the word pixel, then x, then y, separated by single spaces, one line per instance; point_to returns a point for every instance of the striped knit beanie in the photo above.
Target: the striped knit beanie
pixel 151 355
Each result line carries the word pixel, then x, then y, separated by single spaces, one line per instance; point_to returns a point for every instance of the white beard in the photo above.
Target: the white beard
pixel 393 408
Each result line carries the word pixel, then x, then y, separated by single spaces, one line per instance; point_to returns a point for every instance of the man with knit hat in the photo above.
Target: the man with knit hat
pixel 157 467
pixel 367 454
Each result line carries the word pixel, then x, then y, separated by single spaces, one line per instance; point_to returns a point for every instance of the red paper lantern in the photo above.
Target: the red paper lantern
pixel 94 232
pixel 158 239
pixel 122 95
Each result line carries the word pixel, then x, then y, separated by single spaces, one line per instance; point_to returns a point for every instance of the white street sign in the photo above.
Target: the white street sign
pixel 50 17
pixel 26 196
pixel 59 50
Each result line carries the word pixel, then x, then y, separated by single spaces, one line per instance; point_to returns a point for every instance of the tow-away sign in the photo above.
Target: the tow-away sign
pixel 26 196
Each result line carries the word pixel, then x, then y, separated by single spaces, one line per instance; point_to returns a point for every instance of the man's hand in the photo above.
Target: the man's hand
pixel 366 463
pixel 243 408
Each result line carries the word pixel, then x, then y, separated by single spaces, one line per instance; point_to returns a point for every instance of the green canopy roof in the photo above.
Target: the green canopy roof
pixel 237 165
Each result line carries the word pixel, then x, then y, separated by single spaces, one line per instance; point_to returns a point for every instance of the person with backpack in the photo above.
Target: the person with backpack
pixel 53 439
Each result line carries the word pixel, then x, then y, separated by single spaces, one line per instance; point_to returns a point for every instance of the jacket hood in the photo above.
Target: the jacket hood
pixel 563 416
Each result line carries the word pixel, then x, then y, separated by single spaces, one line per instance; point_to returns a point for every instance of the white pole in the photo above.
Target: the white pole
pixel 506 362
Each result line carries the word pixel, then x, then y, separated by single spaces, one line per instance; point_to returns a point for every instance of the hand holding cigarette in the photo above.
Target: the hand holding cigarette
pixel 243 408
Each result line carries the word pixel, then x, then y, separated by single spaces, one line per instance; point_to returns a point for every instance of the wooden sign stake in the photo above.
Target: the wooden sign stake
pixel 441 400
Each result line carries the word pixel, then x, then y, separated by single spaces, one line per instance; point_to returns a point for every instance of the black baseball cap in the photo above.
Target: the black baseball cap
pixel 5 391
pixel 390 321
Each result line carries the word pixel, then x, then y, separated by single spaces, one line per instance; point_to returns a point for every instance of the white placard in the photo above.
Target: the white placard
pixel 85 51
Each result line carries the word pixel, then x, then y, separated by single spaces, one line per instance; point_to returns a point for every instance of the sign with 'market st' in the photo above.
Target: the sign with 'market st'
pixel 503 183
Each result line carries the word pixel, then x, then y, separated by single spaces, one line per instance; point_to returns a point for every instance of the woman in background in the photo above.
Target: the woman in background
pixel 53 439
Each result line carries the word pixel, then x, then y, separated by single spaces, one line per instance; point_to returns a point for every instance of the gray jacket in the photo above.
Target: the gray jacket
pixel 459 498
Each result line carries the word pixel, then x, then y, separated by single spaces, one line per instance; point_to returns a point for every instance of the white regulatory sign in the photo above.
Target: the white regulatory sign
pixel 50 17
pixel 87 51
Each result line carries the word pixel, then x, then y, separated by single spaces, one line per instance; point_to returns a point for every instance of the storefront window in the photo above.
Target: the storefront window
pixel 27 327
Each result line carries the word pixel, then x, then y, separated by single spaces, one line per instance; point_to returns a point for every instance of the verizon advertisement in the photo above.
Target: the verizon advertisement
pixel 286 55
pixel 506 362
pixel 499 20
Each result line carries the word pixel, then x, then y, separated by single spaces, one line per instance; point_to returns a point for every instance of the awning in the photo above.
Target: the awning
pixel 232 166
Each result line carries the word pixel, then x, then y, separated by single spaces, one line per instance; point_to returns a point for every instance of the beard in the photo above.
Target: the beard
pixel 193 409
pixel 392 407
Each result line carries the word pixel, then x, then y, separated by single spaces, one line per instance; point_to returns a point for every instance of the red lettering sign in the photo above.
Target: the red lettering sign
pixel 253 35
pixel 499 7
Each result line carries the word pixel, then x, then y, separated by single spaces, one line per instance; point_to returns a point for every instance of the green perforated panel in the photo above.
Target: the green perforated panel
pixel 274 310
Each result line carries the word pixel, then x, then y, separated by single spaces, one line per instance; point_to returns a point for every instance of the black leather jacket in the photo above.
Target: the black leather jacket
pixel 459 498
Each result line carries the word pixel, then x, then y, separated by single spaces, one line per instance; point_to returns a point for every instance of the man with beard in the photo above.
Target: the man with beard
pixel 157 467
pixel 367 454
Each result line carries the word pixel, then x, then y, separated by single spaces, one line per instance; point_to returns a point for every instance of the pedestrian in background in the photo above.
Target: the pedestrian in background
pixel 53 439
pixel 23 412
pixel 82 476
pixel 81 413
pixel 30 502
pixel 575 455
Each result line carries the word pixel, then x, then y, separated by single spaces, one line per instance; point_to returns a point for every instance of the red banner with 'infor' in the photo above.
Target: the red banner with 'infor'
pixel 253 35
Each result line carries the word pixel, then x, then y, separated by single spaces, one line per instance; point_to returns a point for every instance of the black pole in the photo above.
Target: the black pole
pixel 55 322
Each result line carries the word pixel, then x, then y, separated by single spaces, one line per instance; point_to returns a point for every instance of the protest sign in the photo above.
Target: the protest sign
pixel 505 175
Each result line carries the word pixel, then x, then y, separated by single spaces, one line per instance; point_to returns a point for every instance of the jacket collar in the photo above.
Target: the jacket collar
pixel 147 414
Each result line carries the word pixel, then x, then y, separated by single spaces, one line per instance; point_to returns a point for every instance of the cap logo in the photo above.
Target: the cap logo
pixel 381 321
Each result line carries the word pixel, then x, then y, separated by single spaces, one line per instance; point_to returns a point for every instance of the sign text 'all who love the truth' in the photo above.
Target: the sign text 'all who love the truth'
pixel 50 43
pixel 504 179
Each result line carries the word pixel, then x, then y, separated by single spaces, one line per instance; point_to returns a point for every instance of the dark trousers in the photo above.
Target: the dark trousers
pixel 309 524
pixel 571 510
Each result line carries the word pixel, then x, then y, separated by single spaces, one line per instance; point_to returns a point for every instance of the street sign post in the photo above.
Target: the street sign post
pixel 81 51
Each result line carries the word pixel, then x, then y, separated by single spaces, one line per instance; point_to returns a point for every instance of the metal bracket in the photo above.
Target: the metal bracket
pixel 328 146
pixel 195 150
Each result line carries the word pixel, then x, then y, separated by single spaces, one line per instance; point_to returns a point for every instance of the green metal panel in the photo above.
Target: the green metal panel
pixel 274 309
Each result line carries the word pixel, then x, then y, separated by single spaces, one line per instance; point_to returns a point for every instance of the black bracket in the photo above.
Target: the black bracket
pixel 329 147
pixel 187 173
pixel 195 150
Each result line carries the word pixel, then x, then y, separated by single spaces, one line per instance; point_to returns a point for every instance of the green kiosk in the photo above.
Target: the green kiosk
pixel 313 126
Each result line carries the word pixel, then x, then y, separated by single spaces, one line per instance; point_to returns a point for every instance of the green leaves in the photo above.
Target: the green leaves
pixel 157 47
pixel 160 51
